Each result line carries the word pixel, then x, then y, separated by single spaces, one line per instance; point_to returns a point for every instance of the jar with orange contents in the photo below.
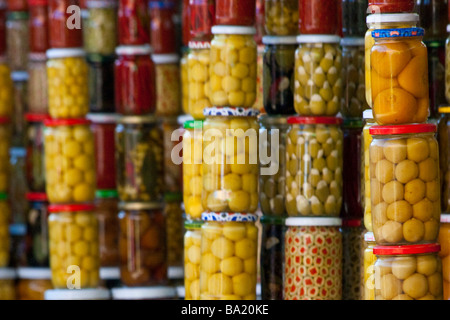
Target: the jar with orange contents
pixel 33 282
pixel 444 254
pixel 399 76
pixel 7 284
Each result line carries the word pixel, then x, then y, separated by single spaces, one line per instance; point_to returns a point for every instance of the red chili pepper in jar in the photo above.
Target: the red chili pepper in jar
pixel 134 22
pixel 202 18
pixel 162 30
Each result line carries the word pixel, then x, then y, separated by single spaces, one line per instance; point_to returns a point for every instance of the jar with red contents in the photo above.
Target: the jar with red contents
pixel 60 35
pixel 134 72
pixel 134 22
pixel 202 15
pixel 17 5
pixel 162 26
pixel 39 40
pixel 103 127
pixel 185 23
pixel 236 12
pixel 318 16
pixel 3 12
pixel 391 6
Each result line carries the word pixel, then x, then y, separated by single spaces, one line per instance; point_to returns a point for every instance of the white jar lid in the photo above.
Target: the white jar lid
pixel 183 118
pixel 134 50
pixel 109 273
pixel 279 40
pixel 77 294
pixel 175 273
pixel 313 221
pixel 142 293
pixel 34 273
pixel 318 38
pixel 103 117
pixel 233 30
pixel 392 17
pixel 19 76
pixel 165 58
pixel 352 42
pixel 368 114
pixel 7 273
pixel 445 218
pixel 181 292
pixel 65 53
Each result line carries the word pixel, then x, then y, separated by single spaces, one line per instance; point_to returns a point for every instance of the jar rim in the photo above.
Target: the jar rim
pixel 37 196
pixel 193 224
pixel 318 38
pixel 314 120
pixel 5 119
pixel 267 119
pixel 140 205
pixel 392 17
pixel 55 208
pixel 108 273
pixel 3 196
pixel 7 273
pixel 84 294
pixel 229 216
pixel 369 237
pixel 193 124
pixel 402 129
pixel 53 122
pixel 368 114
pixel 103 117
pixel 91 4
pixel 18 76
pixel 279 40
pixel 352 42
pixel 36 117
pixel 233 30
pixel 106 194
pixel 313 221
pixel 444 109
pixel 149 118
pixel 165 58
pixel 34 273
pixel 154 292
pixel 134 50
pixel 408 249
pixel 56 53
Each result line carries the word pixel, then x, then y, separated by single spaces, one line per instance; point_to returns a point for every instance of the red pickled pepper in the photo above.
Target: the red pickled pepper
pixel 318 16
pixel 104 144
pixel 391 6
pixel 162 30
pixel 134 22
pixel 39 38
pixel 202 17
pixel 236 12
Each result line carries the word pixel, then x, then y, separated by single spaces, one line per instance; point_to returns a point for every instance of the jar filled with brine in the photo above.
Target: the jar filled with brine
pixel 444 254
pixel 352 240
pixel 32 283
pixel 198 80
pixel 184 80
pixel 368 122
pixel 368 270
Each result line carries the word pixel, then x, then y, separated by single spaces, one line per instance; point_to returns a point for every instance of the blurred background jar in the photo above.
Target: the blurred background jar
pixel 167 81
pixel 162 26
pixel 60 36
pixel 354 18
pixel 281 17
pixel 3 15
pixel 352 259
pixel 391 6
pixel 172 142
pixel 433 18
pixel 444 254
pixel 38 26
pixel 32 283
pixel 8 284
pixel 5 220
pixel 174 230
pixel 35 155
pixel 443 137
pixel 192 257
pixel 235 12
pixel 17 38
pixel 101 83
pixel 20 82
pixel 133 22
pixel 37 97
pixel 319 16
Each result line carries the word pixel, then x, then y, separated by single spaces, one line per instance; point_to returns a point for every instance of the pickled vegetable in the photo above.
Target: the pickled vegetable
pixel 198 63
pixel 281 17
pixel 167 80
pixel 37 97
pixel 192 258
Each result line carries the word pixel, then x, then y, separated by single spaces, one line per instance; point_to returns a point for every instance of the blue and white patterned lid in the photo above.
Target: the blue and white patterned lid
pixel 398 33
pixel 227 216
pixel 230 111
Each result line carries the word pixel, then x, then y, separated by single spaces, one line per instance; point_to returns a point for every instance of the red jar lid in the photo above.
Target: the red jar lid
pixel 66 122
pixel 36 196
pixel 403 129
pixel 314 120
pixel 408 249
pixel 351 222
pixel 36 117
pixel 70 207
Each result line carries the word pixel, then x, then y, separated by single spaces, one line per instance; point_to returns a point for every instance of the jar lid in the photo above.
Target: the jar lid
pixel 3 196
pixel 37 3
pixel 235 30
pixel 314 221
pixel 77 294
pixel 369 237
pixel 52 122
pixel 314 120
pixel 392 17
pixel 193 124
pixel 5 120
pixel 445 218
pixel 17 152
pixel 65 53
pixel 175 273
pixel 37 196
pixel 173 196
pixel 101 4
pixel 36 117
pixel 161 4
pixel 17 15
pixel 408 249
pixel 103 117
pixel 193 224
pixel 230 111
pixel 351 223
pixel 318 38
pixel 165 58
pixel 18 76
pixel 106 194
pixel 273 220
pixel 154 292
pixel 34 273
pixel 70 207
pixel 199 45
pixel 134 50
pixel 279 40
pixel 140 205
pixel 398 33
pixel 109 273
pixel 444 109
pixel 227 216
pixel 7 273
pixel 150 118
pixel 368 114
pixel 350 123
pixel 37 56
pixel 352 42
pixel 267 119
pixel 402 129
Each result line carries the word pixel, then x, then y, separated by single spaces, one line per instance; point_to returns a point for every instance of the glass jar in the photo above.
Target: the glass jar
pixel 436 76
pixel 404 184
pixel 174 228
pixel 74 246
pixel 318 16
pixel 433 18
pixel 447 66
pixel 68 89
pixel 192 257
pixel 397 57
pixel 103 126
pixel 354 13
pixel 369 121
pixel 5 238
pixel 142 244
pixel 37 97
pixel 279 74
pixel 272 179
pixel 17 35
pixel 20 82
pixel 233 66
pixel 36 244
pixel 411 272
pixel 382 21
pixel 314 164
pixel 167 81
pixel 101 83
pixel 135 92
pixel 162 26
pixel 259 101
pixel 6 89
pixel 228 256
pixel 444 254
pixel 106 210
pixel 35 157
pixel 202 16
pixel 69 161
pixel 7 284
pixel 144 293
pixel 38 27
pixel 60 35
pixel 172 143
pixel 281 17
pixel 198 84
pixel 369 267
pixel 33 282
pixel 17 5
pixel 184 80
pixel 391 6
pixel 235 12
pixel 260 21
pixel 318 87
pixel 5 144
pixel 353 158
pixel 139 158
pixel 353 77
pixel 272 257
pixel 352 239
pixel 443 136
pixel 230 161
pixel 133 22
pixel 100 27
pixel 313 259
pixel 82 294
